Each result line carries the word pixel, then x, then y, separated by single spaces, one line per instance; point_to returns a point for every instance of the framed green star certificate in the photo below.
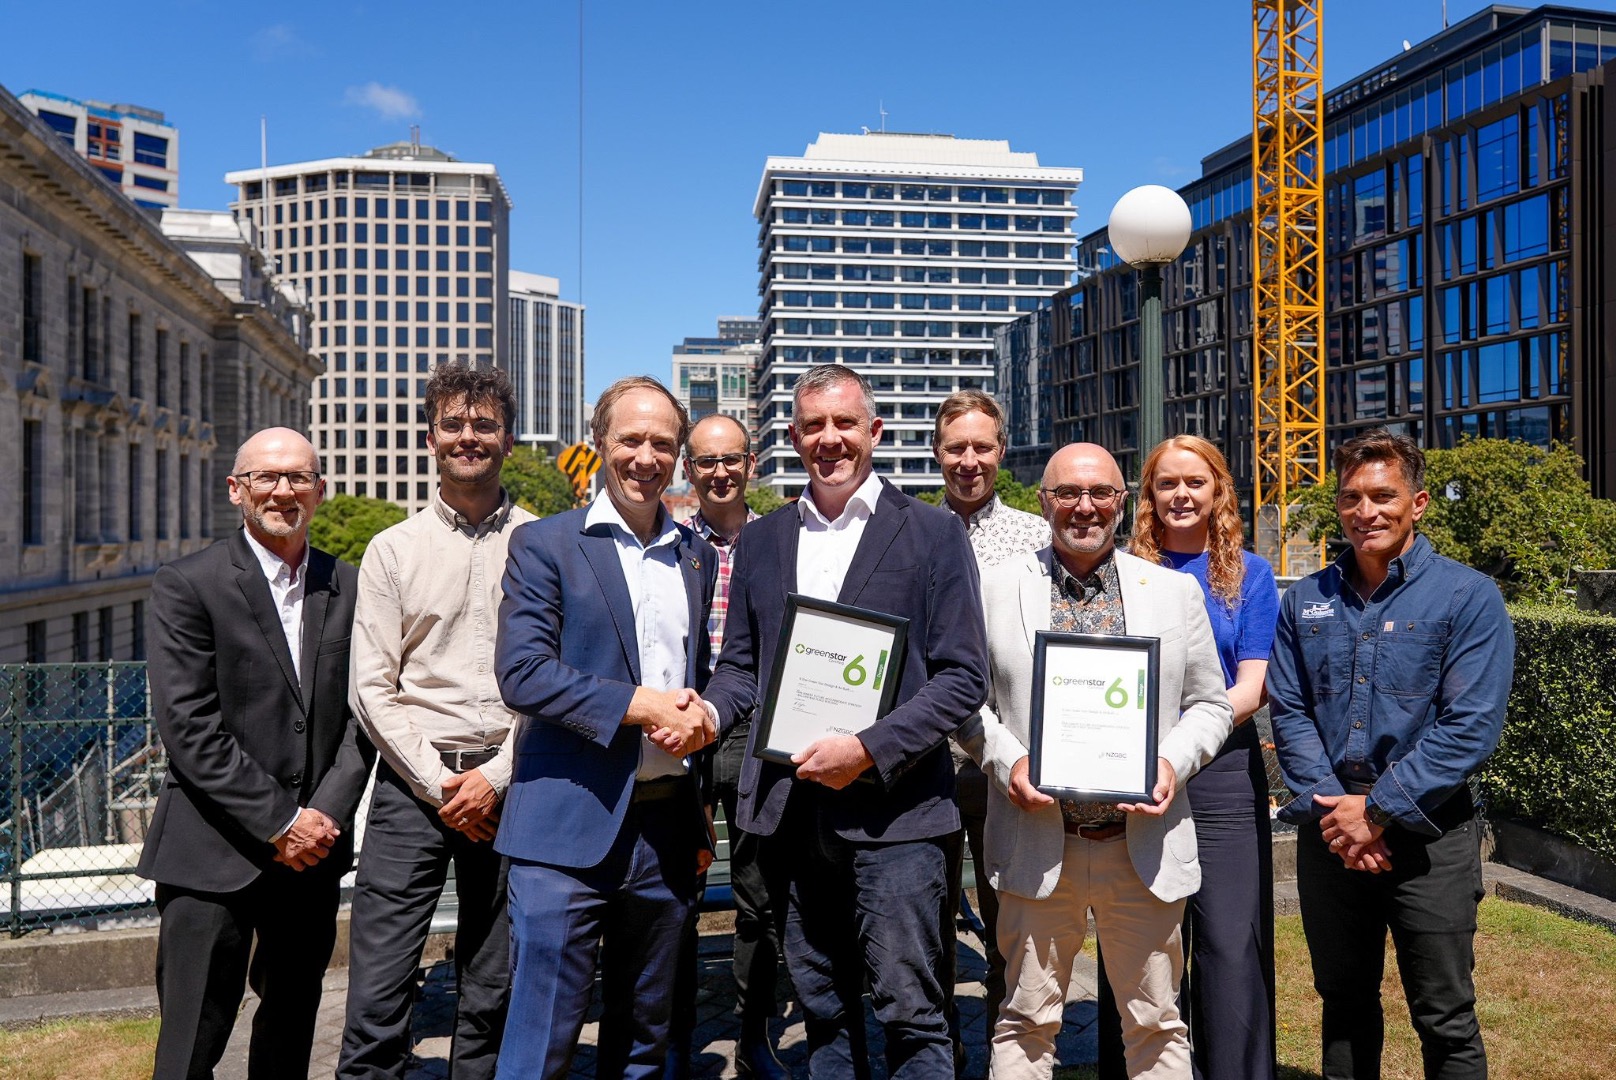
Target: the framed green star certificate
pixel 1093 719
pixel 835 673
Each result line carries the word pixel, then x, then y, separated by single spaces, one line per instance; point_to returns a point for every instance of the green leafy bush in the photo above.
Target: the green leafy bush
pixel 763 500
pixel 345 524
pixel 1554 768
pixel 534 483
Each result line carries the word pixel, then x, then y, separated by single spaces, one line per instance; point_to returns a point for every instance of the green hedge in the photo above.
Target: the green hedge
pixel 1556 764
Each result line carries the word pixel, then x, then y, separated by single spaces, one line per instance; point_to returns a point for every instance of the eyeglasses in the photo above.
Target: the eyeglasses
pixel 707 464
pixel 454 425
pixel 1101 495
pixel 266 480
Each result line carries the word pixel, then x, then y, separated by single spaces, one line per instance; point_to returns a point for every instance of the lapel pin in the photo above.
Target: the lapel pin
pixel 695 564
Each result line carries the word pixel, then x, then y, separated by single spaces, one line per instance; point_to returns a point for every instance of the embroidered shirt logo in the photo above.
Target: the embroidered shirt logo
pixel 1321 609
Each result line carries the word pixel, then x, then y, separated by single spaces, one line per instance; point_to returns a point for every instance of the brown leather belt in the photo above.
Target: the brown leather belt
pixel 1105 830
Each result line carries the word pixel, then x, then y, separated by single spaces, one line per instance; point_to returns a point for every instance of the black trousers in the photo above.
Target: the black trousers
pixel 971 790
pixel 1427 902
pixel 402 870
pixel 203 970
pixel 1227 995
pixel 759 881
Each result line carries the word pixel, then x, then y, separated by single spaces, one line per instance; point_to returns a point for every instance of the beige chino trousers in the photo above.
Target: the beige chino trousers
pixel 1144 958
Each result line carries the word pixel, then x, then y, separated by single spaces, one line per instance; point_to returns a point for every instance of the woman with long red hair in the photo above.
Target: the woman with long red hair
pixel 1188 518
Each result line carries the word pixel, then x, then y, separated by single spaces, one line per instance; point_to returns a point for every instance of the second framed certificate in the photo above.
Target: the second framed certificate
pixel 1093 720
pixel 834 674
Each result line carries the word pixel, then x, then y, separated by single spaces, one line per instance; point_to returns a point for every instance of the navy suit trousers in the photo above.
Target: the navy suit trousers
pixel 631 907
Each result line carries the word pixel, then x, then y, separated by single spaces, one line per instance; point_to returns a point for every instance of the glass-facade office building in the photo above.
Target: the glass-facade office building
pixel 1466 285
pixel 898 255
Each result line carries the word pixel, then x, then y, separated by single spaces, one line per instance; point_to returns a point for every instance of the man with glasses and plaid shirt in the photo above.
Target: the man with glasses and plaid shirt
pixel 718 463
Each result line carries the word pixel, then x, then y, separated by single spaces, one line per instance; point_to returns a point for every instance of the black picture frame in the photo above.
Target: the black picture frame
pixel 784 655
pixel 1150 648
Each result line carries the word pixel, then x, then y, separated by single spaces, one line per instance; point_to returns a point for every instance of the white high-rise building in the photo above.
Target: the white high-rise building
pixel 897 255
pixel 546 363
pixel 132 146
pixel 402 254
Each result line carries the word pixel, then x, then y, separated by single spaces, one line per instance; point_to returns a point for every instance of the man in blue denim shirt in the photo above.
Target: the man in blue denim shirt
pixel 1388 683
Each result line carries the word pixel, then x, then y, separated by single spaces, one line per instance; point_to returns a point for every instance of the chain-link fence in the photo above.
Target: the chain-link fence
pixel 77 788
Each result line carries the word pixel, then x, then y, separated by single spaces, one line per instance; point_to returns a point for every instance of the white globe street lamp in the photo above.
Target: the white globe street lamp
pixel 1149 227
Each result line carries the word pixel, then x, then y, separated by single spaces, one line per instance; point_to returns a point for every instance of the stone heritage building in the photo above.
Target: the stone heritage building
pixel 129 373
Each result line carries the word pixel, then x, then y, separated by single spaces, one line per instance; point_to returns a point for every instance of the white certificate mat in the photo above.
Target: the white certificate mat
pixel 835 673
pixel 1094 716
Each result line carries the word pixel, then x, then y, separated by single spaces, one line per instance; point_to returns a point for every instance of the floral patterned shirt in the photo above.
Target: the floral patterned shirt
pixel 998 532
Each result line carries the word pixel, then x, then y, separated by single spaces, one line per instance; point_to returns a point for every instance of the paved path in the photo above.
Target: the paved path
pixel 716 1030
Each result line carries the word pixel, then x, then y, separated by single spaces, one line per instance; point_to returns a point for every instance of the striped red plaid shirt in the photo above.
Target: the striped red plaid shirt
pixel 725 546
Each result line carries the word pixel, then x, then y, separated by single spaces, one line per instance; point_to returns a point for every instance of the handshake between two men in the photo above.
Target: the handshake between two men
pixel 677 721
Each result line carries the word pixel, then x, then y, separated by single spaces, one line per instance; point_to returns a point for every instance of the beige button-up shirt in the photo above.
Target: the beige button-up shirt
pixel 422 677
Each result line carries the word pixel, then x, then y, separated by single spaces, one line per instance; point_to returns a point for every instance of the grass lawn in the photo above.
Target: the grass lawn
pixel 1546 988
pixel 104 1049
pixel 1546 994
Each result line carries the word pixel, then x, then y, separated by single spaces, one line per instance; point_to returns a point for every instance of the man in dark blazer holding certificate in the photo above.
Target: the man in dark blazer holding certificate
pixel 602 629
pixel 254 827
pixel 865 814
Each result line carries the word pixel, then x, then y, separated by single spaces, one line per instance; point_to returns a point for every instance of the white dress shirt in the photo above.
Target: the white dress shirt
pixel 286 588
pixel 825 548
pixel 656 587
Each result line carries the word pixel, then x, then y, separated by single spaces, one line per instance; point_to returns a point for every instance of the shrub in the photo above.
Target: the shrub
pixel 1553 767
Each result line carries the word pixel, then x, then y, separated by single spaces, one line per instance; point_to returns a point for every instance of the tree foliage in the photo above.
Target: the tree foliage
pixel 345 524
pixel 534 483
pixel 761 500
pixel 1521 513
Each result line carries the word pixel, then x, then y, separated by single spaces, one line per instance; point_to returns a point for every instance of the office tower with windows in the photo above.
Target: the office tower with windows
pixel 546 364
pixel 402 254
pixel 133 147
pixel 897 255
pixel 1467 187
pixel 714 375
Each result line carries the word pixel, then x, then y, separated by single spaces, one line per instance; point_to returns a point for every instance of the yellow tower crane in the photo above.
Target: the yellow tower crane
pixel 1287 158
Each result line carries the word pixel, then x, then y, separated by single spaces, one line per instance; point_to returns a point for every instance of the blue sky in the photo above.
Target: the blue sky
pixel 682 102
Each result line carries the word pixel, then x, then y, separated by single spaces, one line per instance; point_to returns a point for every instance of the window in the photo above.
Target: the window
pixel 136 488
pixel 33 482
pixel 33 304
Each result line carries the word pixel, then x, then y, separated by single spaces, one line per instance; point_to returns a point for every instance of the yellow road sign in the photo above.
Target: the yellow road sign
pixel 580 462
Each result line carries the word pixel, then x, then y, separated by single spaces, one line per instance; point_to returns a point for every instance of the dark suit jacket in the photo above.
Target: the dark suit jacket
pixel 915 561
pixel 248 741
pixel 569 661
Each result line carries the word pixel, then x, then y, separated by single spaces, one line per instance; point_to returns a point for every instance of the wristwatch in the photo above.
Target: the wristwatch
pixel 1375 814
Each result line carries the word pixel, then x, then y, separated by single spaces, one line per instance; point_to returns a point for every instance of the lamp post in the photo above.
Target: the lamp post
pixel 1149 227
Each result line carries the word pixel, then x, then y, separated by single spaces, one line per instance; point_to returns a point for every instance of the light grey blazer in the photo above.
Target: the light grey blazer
pixel 1024 850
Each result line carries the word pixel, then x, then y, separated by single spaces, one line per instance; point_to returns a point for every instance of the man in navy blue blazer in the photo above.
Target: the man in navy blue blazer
pixel 869 875
pixel 602 627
